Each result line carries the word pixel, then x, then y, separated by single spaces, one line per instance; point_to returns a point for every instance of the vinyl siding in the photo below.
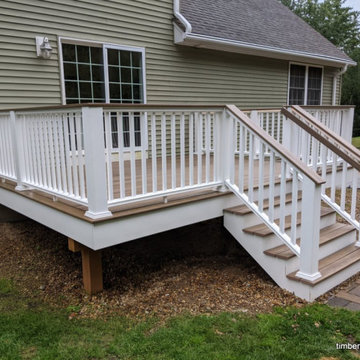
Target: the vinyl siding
pixel 174 74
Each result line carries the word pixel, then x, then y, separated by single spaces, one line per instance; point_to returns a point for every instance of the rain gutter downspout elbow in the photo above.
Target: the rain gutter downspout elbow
pixel 181 18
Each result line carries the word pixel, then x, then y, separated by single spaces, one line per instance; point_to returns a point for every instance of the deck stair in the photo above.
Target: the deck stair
pixel 339 256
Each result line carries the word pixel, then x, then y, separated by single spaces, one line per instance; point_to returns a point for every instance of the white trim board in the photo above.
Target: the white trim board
pixel 216 43
pixel 119 230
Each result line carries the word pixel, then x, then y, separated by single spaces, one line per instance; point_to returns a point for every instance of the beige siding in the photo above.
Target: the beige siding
pixel 175 74
pixel 327 87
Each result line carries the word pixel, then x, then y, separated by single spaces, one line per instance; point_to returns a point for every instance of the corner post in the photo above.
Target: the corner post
pixel 95 166
pixel 310 231
pixel 255 118
pixel 287 134
pixel 224 145
pixel 226 148
pixel 16 137
pixel 347 123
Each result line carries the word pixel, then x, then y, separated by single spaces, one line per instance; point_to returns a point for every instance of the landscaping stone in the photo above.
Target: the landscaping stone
pixel 338 302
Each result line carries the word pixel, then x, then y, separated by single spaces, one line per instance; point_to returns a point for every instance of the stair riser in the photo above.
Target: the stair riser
pixel 266 191
pixel 310 293
pixel 272 240
pixel 338 179
pixel 325 221
pixel 277 269
pixel 251 219
pixel 234 225
pixel 324 251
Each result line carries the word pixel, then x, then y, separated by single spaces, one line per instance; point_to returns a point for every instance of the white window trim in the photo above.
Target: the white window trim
pixel 103 45
pixel 306 80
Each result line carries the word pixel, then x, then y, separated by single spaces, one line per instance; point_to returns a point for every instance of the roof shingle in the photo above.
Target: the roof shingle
pixel 260 22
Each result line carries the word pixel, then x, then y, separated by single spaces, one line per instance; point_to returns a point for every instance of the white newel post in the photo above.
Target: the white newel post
pixel 16 136
pixel 95 166
pixel 310 230
pixel 226 147
pixel 347 124
pixel 287 139
pixel 218 152
pixel 256 119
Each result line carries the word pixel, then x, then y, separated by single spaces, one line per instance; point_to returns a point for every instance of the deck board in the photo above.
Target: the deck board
pixel 143 206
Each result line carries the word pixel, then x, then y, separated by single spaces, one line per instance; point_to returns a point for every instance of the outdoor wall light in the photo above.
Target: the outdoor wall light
pixel 43 47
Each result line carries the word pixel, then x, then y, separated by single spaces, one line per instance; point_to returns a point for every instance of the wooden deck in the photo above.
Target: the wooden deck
pixel 146 205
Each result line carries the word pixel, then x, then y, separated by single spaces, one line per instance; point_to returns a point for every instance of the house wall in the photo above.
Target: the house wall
pixel 174 74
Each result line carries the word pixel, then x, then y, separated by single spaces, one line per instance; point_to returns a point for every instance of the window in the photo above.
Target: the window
pixel 106 73
pixel 305 85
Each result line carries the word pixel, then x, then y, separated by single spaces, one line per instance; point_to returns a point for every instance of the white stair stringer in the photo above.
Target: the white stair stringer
pixel 278 268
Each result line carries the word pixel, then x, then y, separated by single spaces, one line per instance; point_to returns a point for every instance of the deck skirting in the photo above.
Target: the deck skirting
pixel 102 234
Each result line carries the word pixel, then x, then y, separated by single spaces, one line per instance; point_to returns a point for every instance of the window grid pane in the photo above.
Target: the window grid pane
pixel 297 85
pixel 125 76
pixel 314 86
pixel 84 82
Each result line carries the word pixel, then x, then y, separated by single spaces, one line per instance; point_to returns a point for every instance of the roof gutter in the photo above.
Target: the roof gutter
pixel 181 18
pixel 205 39
pixel 211 42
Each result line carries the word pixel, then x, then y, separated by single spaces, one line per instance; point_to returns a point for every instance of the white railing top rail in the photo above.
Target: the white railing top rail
pixel 327 107
pixel 325 135
pixel 120 106
pixel 276 146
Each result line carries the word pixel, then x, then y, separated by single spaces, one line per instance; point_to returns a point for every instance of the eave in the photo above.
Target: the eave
pixel 186 38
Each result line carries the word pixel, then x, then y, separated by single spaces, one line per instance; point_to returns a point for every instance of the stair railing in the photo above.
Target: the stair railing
pixel 264 172
pixel 329 155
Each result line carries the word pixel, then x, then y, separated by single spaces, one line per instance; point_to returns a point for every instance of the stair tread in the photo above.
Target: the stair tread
pixel 327 234
pixel 263 230
pixel 244 210
pixel 332 264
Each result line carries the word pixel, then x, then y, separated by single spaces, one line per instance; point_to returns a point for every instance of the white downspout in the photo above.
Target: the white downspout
pixel 180 17
pixel 340 73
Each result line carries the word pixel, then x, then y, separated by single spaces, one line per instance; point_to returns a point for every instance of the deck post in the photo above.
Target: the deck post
pixel 95 165
pixel 92 270
pixel 287 139
pixel 16 135
pixel 255 118
pixel 73 245
pixel 347 123
pixel 310 230
pixel 226 146
pixel 224 149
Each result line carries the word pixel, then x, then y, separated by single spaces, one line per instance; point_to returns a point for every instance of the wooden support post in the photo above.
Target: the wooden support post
pixel 92 270
pixel 73 245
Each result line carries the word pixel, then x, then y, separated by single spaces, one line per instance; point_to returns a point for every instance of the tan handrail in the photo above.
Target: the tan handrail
pixel 310 173
pixel 333 141
pixel 119 106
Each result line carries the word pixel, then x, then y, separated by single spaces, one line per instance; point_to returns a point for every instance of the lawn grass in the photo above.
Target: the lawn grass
pixel 31 330
pixel 356 141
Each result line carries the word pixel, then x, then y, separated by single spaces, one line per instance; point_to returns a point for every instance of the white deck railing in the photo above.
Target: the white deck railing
pixel 50 157
pixel 106 155
pixel 161 151
pixel 339 119
pixel 7 161
pixel 273 164
pixel 331 156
